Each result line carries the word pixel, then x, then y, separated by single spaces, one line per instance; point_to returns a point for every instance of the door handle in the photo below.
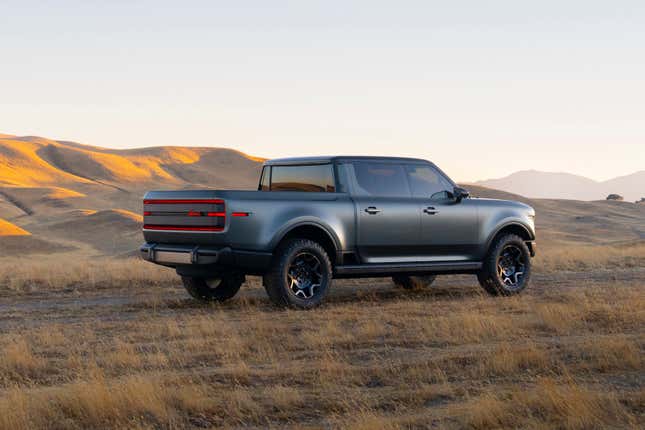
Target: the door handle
pixel 430 210
pixel 372 210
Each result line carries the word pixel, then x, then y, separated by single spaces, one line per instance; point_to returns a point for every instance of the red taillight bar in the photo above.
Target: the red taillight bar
pixel 180 228
pixel 240 214
pixel 184 202
pixel 197 213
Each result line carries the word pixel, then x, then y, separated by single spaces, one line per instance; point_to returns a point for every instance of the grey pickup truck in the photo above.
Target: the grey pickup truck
pixel 315 219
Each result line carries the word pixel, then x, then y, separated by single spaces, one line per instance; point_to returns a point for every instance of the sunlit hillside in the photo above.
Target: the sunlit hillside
pixel 8 229
pixel 85 198
pixel 34 161
pixel 89 198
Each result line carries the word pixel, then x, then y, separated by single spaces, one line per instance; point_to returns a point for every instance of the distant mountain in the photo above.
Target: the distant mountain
pixel 549 185
pixel 632 187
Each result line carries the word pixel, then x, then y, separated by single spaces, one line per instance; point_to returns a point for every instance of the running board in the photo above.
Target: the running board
pixel 411 268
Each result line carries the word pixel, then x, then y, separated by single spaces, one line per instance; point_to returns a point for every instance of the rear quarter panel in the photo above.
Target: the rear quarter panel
pixel 274 214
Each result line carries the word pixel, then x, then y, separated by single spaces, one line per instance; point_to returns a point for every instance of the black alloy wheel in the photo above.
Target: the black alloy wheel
pixel 511 266
pixel 218 288
pixel 305 275
pixel 300 275
pixel 506 269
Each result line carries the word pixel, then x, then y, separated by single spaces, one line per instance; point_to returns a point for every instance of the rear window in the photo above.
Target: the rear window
pixel 312 178
pixel 381 179
pixel 264 179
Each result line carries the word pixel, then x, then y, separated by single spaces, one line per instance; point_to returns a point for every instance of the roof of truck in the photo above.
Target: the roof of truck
pixel 332 158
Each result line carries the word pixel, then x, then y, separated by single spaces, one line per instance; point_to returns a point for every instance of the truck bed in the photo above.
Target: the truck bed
pixel 244 220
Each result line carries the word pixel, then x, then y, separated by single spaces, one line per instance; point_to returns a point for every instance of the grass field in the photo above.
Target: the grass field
pixel 118 344
pixel 89 339
pixel 69 272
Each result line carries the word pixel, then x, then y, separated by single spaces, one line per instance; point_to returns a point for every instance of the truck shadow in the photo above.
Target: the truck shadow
pixel 345 296
pixel 255 298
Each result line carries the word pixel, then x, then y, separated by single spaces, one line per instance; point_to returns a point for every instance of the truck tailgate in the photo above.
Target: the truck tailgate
pixel 183 217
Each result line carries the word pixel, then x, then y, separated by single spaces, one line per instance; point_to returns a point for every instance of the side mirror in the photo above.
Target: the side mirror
pixel 461 193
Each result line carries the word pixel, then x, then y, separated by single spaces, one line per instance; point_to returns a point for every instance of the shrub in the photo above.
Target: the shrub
pixel 616 197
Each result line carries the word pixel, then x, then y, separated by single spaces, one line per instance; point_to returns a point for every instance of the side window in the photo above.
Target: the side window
pixel 426 181
pixel 381 179
pixel 312 178
pixel 264 179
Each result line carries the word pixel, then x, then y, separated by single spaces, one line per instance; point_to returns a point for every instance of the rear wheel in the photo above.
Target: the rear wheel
pixel 507 267
pixel 300 276
pixel 413 282
pixel 216 289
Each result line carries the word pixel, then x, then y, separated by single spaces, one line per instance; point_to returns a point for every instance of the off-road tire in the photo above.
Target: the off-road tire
pixel 413 282
pixel 200 289
pixel 489 277
pixel 276 281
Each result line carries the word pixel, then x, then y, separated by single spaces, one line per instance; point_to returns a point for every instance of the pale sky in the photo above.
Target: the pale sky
pixel 482 88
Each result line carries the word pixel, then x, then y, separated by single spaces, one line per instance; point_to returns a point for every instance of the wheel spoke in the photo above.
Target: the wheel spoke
pixel 510 266
pixel 305 275
pixel 293 281
pixel 213 283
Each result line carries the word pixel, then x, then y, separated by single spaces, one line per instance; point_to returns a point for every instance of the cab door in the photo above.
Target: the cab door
pixel 388 217
pixel 449 229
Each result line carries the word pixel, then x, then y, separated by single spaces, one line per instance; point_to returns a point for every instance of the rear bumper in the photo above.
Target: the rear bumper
pixel 184 255
pixel 181 254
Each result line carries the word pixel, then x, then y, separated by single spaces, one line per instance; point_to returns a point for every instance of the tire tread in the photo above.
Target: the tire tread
pixel 488 278
pixel 274 282
pixel 198 289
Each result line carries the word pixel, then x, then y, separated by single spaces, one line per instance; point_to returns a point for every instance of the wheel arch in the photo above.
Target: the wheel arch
pixel 312 231
pixel 512 227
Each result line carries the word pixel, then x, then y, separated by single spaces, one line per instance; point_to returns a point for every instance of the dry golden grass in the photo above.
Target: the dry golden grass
pixel 58 273
pixel 70 273
pixel 550 404
pixel 17 359
pixel 577 258
pixel 564 357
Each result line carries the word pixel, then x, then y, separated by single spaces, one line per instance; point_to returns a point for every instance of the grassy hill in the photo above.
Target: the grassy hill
pixel 574 222
pixel 89 198
pixel 71 196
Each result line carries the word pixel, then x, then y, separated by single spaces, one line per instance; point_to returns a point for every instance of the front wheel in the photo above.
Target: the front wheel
pixel 216 289
pixel 506 269
pixel 300 276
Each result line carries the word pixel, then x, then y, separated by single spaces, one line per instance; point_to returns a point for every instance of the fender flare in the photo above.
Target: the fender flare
pixel 489 240
pixel 282 233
